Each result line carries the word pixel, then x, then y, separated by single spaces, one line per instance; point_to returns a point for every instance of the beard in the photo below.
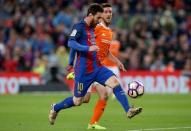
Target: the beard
pixel 93 24
pixel 107 21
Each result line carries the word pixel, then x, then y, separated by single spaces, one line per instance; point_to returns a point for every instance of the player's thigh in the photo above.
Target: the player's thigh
pixel 112 82
pixel 90 90
pixel 101 90
pixel 88 94
pixel 107 77
pixel 109 91
pixel 116 71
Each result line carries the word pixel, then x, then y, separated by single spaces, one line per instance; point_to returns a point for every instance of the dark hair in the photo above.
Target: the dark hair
pixel 94 8
pixel 104 5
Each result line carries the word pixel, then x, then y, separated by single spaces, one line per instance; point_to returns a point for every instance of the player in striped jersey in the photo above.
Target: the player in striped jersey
pixel 88 67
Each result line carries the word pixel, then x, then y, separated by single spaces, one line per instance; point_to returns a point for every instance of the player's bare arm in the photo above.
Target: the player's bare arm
pixel 117 61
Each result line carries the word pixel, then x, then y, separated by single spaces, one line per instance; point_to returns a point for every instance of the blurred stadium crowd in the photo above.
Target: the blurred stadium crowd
pixel 154 34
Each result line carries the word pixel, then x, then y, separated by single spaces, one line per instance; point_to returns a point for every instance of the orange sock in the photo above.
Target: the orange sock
pixel 98 111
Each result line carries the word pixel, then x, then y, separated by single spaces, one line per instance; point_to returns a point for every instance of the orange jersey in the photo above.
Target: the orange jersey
pixel 103 37
pixel 114 49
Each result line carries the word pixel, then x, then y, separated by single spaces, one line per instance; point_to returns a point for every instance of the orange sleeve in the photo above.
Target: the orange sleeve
pixel 114 49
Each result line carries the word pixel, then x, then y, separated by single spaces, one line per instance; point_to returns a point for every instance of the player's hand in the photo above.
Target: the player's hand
pixel 93 48
pixel 121 66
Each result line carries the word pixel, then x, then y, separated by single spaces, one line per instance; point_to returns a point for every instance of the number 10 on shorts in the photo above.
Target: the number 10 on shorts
pixel 80 86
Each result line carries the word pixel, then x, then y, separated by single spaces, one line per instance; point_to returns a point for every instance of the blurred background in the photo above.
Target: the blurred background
pixel 155 47
pixel 154 35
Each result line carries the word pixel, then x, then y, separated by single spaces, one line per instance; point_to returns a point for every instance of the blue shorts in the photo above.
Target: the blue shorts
pixel 82 84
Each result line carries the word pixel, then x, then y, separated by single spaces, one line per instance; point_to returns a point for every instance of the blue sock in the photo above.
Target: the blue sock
pixel 121 97
pixel 67 103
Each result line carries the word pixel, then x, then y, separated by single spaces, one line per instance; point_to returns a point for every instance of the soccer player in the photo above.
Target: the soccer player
pixel 88 67
pixel 108 48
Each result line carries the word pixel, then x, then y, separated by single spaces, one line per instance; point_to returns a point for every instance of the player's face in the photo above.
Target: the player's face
pixel 96 18
pixel 107 15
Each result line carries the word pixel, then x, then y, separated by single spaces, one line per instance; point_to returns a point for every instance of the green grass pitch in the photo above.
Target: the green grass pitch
pixel 29 112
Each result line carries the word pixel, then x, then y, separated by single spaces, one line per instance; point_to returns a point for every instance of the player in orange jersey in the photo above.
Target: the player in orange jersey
pixel 114 49
pixel 108 49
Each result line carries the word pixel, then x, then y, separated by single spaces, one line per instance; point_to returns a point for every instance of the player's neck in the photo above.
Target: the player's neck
pixel 102 22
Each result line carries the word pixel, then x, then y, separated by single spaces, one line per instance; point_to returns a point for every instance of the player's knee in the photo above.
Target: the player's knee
pixel 115 83
pixel 77 101
pixel 112 82
pixel 103 96
pixel 106 98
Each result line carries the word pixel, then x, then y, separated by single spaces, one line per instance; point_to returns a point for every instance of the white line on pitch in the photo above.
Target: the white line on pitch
pixel 158 129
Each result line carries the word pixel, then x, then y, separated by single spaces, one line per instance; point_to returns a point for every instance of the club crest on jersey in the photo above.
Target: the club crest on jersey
pixel 74 31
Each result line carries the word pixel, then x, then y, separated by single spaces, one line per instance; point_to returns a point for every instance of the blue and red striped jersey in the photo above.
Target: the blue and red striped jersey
pixel 81 38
